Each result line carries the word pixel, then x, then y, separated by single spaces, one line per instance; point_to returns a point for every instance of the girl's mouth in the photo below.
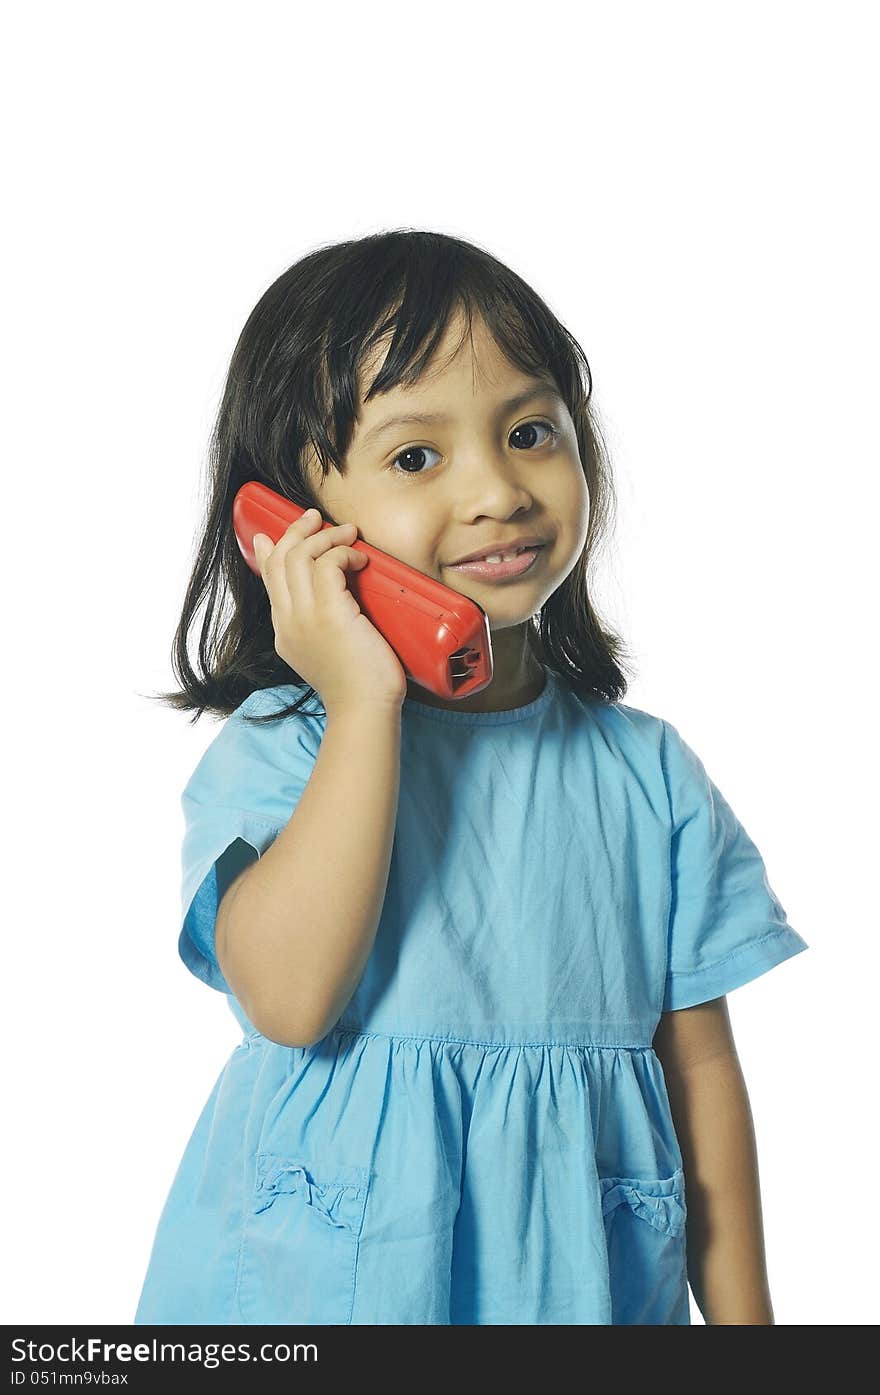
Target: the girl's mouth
pixel 485 570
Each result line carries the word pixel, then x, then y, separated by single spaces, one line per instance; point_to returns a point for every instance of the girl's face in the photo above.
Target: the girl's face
pixel 483 472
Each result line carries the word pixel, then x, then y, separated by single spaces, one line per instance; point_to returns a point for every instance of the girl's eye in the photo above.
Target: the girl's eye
pixel 411 456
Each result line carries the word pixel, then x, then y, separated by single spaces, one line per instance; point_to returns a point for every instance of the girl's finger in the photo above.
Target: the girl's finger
pixel 262 548
pixel 326 538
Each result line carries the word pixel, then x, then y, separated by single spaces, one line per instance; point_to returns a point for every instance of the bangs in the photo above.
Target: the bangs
pixel 409 304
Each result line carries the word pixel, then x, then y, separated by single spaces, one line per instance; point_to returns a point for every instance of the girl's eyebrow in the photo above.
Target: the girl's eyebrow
pixel 520 400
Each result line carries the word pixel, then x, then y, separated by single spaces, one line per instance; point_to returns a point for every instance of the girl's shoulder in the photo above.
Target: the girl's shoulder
pixel 631 728
pixel 263 701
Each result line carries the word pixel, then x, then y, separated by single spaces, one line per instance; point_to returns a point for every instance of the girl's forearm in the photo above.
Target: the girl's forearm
pixel 295 930
pixel 725 1242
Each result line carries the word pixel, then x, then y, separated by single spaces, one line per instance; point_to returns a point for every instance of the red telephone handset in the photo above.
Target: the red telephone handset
pixel 441 638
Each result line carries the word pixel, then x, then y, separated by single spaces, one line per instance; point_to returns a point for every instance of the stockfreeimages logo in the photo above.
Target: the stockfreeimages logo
pixel 95 1350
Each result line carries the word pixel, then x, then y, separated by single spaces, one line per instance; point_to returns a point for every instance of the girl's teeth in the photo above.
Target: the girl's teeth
pixel 501 557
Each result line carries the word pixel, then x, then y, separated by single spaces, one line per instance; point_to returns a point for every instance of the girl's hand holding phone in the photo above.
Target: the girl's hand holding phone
pixel 320 630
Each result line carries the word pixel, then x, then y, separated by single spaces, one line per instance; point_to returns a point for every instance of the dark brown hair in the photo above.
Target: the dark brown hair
pixel 293 384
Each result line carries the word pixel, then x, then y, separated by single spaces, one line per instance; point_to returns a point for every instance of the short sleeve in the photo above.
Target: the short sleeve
pixel 726 925
pixel 240 795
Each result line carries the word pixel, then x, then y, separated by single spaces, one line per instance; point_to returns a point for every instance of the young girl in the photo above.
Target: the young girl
pixel 478 948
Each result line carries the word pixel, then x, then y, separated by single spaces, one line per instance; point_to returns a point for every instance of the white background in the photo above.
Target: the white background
pixel 690 189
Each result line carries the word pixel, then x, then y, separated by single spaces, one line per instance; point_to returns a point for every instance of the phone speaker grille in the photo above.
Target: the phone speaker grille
pixel 461 665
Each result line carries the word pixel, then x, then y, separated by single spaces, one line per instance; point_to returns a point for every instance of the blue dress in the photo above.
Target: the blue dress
pixel 484 1137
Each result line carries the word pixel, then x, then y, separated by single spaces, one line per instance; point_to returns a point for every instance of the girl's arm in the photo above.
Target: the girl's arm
pixel 295 930
pixel 713 1121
